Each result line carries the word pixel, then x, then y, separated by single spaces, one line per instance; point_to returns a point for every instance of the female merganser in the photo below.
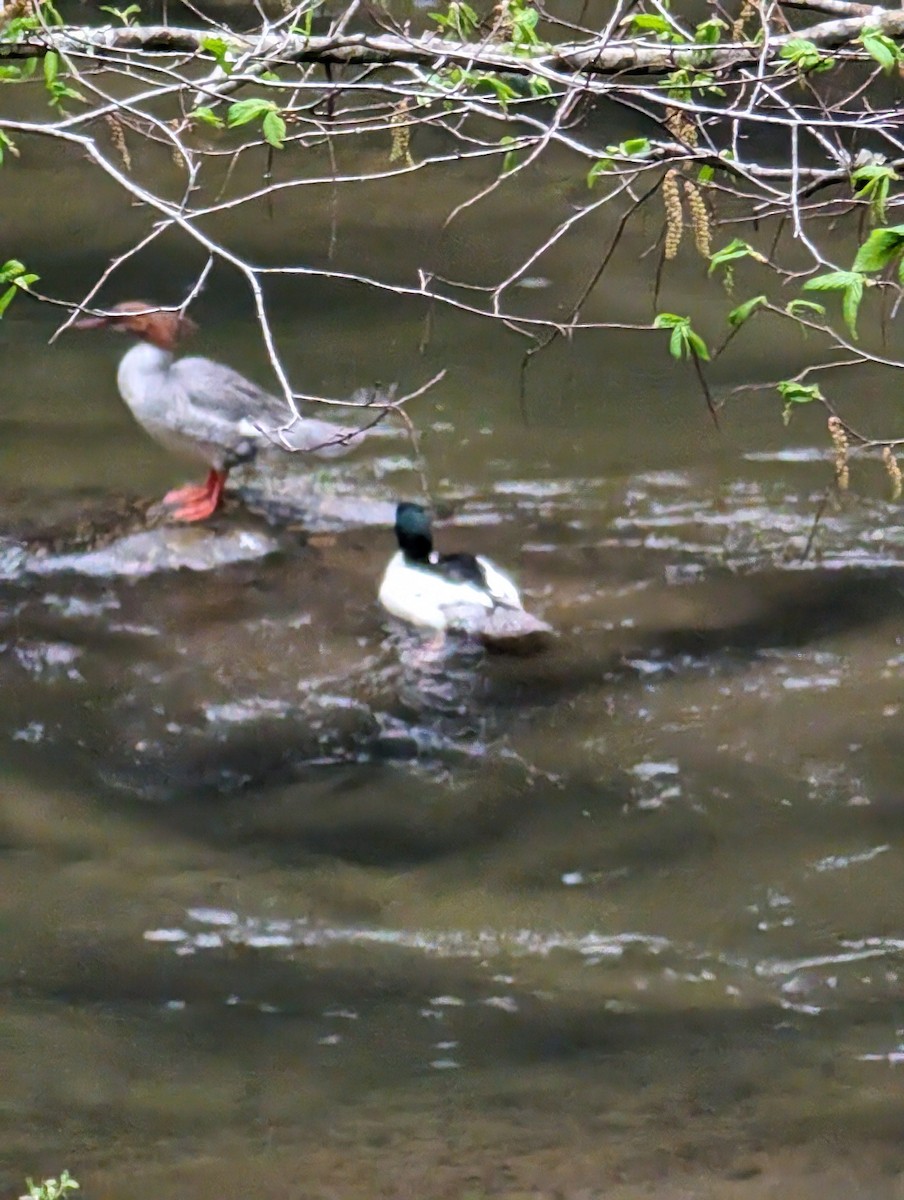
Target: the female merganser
pixel 200 409
pixel 464 592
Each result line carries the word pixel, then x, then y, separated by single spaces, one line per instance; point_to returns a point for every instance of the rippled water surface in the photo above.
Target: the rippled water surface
pixel 286 905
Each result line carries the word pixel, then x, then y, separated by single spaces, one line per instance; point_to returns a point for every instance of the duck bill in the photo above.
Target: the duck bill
pixel 91 323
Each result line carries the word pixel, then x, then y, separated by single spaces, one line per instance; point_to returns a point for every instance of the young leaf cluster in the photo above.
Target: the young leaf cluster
pixel 805 57
pixel 879 46
pixel 684 342
pixel 872 182
pixel 14 274
pixel 633 148
pixel 793 392
pixel 50 1189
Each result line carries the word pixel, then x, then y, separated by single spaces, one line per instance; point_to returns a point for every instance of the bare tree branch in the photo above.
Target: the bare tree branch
pixel 596 56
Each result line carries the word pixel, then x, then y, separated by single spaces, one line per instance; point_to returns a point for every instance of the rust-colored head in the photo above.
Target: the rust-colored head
pixel 143 320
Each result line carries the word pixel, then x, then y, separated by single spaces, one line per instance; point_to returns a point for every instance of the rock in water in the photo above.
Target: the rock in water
pixel 514 631
pixel 167 548
pixel 511 630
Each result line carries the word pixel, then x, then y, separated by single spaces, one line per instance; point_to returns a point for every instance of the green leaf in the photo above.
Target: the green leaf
pixel 851 283
pixel 207 116
pixel 853 294
pixel 539 87
pixel 10 73
pixel 219 49
pixel 244 111
pixel 873 170
pixel 805 56
pixel 504 91
pixel 10 270
pixel 739 315
pixel 14 273
pixel 737 248
pixel 792 391
pixel 121 14
pixel 461 20
pixel 632 148
pixel 872 182
pixel 51 66
pixel 274 129
pixel 706 175
pixel 697 345
pixel 599 168
pixel 49 12
pixel 832 281
pixel 6 143
pixel 881 48
pixel 650 23
pixel 684 341
pixel 61 92
pixel 709 32
pixel 511 158
pixel 795 307
pixel 685 82
pixel 669 321
pixel 880 248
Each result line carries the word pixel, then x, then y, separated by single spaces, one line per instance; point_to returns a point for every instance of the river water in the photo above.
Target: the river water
pixel 284 907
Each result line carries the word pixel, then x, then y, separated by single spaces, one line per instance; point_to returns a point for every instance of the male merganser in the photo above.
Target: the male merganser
pixel 200 409
pixel 464 592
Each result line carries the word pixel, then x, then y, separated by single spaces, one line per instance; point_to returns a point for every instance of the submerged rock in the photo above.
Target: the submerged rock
pixel 300 500
pixel 505 629
pixel 167 548
pixel 515 632
pixel 110 537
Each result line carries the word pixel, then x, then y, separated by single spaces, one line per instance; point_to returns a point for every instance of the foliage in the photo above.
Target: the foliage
pixel 460 20
pixel 273 125
pixel 123 15
pixel 51 1189
pixel 14 274
pixel 793 392
pixel 850 284
pixel 745 311
pixel 872 182
pixel 222 53
pixel 805 57
pixel 633 148
pixel 736 248
pixel 684 342
pixel 880 47
pixel 882 248
pixel 57 89
pixel 777 131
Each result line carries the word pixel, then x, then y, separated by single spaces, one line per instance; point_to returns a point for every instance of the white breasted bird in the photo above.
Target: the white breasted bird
pixel 462 592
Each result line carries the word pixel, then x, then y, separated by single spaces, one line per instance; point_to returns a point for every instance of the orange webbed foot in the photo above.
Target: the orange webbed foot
pixel 196 502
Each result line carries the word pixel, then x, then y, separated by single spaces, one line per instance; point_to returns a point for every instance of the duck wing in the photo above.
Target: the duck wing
pixel 219 405
pixel 481 573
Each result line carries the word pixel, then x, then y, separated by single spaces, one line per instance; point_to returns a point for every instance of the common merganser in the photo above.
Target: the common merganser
pixel 440 592
pixel 200 409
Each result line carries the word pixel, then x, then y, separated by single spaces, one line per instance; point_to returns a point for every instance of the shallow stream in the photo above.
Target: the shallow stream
pixel 284 908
